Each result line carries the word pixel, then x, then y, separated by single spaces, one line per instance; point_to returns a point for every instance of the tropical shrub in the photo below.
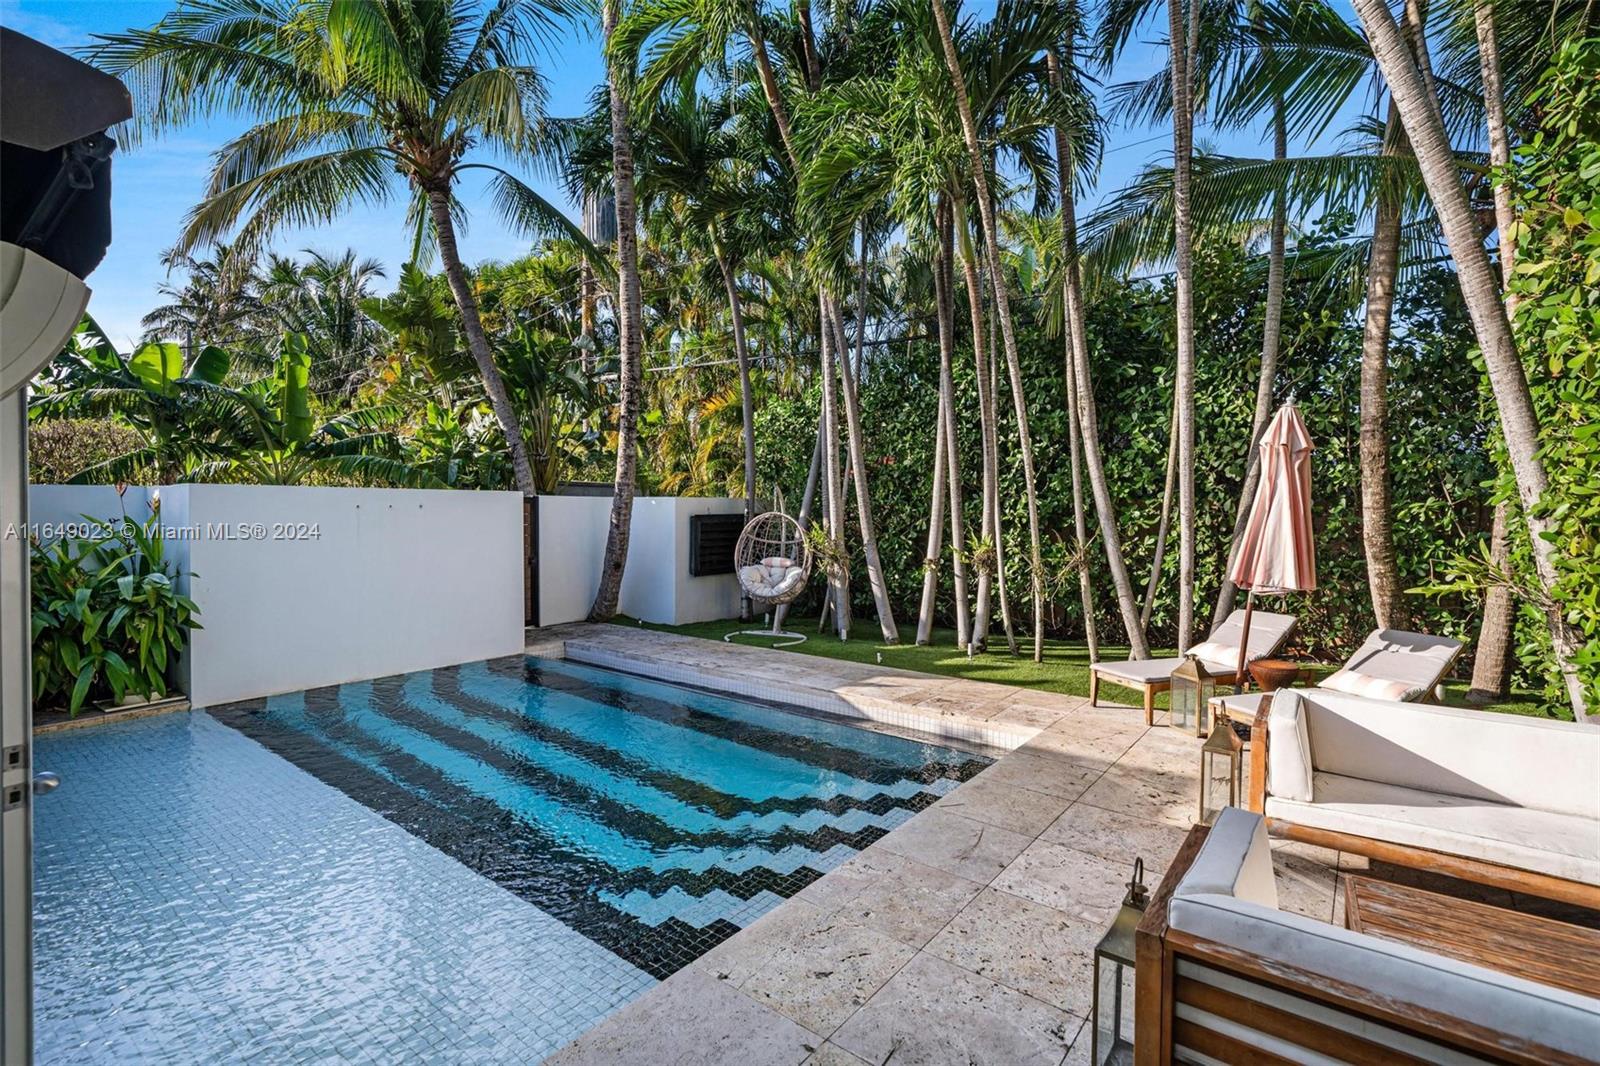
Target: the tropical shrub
pixel 1441 458
pixel 60 448
pixel 107 618
pixel 1557 284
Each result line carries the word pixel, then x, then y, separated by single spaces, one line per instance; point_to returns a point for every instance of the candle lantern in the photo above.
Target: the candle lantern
pixel 1111 1040
pixel 1191 691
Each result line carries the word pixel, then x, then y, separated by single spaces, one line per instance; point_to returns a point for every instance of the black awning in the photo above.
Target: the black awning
pixel 48 99
pixel 55 157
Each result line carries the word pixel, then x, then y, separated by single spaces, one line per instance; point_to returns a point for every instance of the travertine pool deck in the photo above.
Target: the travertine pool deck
pixel 964 936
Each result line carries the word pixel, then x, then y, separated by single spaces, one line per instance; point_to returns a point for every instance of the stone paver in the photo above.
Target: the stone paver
pixel 946 841
pixel 934 1013
pixel 689 1020
pixel 1023 945
pixel 965 935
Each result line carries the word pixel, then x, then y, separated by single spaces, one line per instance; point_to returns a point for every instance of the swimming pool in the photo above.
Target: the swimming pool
pixel 467 864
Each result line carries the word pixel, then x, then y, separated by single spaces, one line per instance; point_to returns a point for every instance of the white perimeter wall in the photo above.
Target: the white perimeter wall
pixel 656 585
pixel 394 580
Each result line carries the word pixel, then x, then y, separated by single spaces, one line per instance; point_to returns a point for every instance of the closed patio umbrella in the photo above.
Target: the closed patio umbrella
pixel 1276 554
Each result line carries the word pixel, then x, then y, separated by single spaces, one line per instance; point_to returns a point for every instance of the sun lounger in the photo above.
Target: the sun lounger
pixel 1391 664
pixel 1219 653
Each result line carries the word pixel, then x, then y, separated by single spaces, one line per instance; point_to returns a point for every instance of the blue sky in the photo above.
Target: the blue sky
pixel 155 185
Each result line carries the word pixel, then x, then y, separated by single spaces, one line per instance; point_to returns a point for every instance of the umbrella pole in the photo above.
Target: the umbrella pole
pixel 1240 678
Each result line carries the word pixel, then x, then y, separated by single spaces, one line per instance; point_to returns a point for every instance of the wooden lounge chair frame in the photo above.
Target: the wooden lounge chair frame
pixel 1173 1009
pixel 1481 871
pixel 1149 688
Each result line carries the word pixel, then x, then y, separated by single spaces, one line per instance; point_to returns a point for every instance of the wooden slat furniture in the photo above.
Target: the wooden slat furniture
pixel 1523 945
pixel 1199 1000
pixel 1479 871
pixel 1147 689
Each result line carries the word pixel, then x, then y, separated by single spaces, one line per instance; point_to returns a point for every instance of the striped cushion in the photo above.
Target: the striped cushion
pixel 1377 688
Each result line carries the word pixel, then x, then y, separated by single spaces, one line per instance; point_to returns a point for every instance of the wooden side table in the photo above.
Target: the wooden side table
pixel 1522 945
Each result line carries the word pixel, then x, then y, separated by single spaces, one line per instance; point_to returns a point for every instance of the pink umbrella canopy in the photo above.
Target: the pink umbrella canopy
pixel 1276 552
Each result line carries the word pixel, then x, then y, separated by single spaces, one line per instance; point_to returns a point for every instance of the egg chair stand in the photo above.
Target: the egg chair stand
pixel 772 563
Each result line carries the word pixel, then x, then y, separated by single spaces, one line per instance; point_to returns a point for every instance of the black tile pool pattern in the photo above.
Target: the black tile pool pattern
pixel 416 761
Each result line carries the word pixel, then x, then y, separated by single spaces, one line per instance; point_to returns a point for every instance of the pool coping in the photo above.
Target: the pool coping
pixel 969 927
pixel 54 720
pixel 977 712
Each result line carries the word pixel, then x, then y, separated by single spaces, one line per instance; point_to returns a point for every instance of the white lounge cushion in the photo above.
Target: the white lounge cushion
pixel 1139 671
pixel 1210 651
pixel 1562 845
pixel 1289 753
pixel 1219 653
pixel 1542 1014
pixel 1500 758
pixel 1268 631
pixel 1241 705
pixel 1235 860
pixel 1395 664
pixel 1359 684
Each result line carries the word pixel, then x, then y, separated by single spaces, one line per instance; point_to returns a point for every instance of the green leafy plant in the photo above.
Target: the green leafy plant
pixel 107 618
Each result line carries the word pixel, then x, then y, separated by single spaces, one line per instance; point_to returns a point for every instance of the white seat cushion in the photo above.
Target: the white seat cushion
pixel 1145 671
pixel 1241 705
pixel 1235 860
pixel 1562 845
pixel 1401 973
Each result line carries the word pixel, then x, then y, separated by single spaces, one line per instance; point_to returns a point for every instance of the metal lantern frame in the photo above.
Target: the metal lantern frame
pixel 1225 746
pixel 1109 1040
pixel 1189 692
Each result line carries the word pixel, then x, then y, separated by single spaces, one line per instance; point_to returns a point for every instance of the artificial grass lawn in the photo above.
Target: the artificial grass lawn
pixel 1065 668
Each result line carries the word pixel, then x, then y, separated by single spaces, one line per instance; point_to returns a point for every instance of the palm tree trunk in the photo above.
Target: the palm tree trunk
pixel 1271 334
pixel 1000 588
pixel 1182 165
pixel 478 343
pixel 858 475
pixel 1084 413
pixel 746 402
pixel 1377 524
pixel 838 576
pixel 1519 423
pixel 630 342
pixel 1491 665
pixel 930 557
pixel 991 240
pixel 944 284
pixel 1158 558
pixel 1491 660
pixel 987 529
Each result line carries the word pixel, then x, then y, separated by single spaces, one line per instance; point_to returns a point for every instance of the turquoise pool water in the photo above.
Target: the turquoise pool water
pixel 472 864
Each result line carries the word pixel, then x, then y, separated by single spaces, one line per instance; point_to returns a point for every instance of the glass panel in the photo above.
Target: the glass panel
pixel 1113 1032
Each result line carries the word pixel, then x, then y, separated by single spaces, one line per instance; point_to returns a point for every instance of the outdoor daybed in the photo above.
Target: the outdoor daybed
pixel 1223 975
pixel 1219 653
pixel 1500 799
pixel 1391 664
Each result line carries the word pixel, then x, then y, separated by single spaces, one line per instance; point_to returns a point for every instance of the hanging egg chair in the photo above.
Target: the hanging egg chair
pixel 772 562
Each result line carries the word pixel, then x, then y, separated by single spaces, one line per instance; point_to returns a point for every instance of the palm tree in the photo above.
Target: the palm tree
pixel 346 94
pixel 1419 110
pixel 1491 673
pixel 214 304
pixel 991 237
pixel 322 299
pixel 630 327
pixel 1083 416
pixel 1181 49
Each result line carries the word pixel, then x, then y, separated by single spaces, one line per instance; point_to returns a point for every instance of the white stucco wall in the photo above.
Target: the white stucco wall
pixel 656 585
pixel 54 506
pixel 393 580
